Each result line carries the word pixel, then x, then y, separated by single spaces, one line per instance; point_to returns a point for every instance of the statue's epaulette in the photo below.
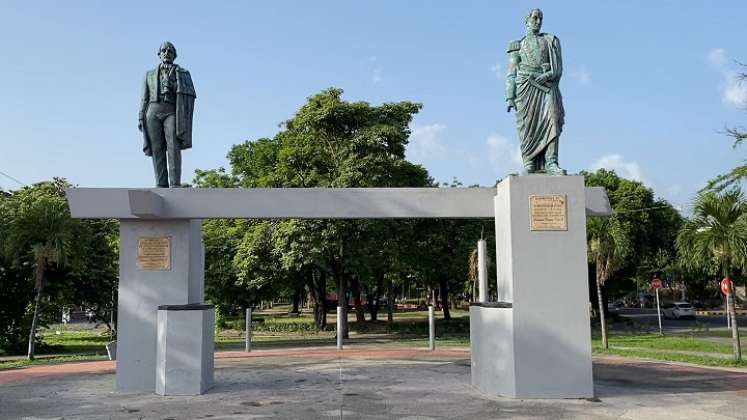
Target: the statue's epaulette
pixel 514 46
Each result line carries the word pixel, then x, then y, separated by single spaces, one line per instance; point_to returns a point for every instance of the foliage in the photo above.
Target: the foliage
pixel 42 248
pixel 641 228
pixel 329 142
pixel 716 237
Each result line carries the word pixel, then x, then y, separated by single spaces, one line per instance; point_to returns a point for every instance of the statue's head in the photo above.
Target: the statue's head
pixel 533 21
pixel 167 52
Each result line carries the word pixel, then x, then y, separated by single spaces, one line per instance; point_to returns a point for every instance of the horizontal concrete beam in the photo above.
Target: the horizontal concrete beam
pixel 597 202
pixel 284 203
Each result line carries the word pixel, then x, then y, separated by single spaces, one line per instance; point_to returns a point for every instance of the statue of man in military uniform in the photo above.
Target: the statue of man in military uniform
pixel 534 70
pixel 165 117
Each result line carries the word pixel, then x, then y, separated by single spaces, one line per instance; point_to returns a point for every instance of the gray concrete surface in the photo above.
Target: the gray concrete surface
pixel 319 387
pixel 543 274
pixel 296 203
pixel 141 292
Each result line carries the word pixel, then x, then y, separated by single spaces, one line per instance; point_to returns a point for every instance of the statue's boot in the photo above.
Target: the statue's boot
pixel 551 157
pixel 552 168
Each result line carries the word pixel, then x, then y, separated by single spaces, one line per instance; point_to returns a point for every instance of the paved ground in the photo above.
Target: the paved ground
pixel 371 383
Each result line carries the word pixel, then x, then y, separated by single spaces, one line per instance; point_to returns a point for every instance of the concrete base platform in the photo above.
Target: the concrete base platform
pixel 374 384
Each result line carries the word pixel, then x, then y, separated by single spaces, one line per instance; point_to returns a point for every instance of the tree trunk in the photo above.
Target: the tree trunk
pixel 374 297
pixel 318 296
pixel 355 288
pixel 600 301
pixel 389 303
pixel 39 279
pixel 734 328
pixel 443 286
pixel 296 300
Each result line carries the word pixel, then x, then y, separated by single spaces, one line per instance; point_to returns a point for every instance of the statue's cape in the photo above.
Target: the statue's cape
pixel 185 105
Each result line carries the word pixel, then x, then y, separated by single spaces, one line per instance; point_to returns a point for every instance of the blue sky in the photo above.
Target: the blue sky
pixel 648 85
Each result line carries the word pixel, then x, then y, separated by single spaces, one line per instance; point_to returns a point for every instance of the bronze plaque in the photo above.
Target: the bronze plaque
pixel 547 212
pixel 154 254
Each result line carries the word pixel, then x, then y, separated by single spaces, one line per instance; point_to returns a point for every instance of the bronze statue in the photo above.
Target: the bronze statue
pixel 165 117
pixel 534 70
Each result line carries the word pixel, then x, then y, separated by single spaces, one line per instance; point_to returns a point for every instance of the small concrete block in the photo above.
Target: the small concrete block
pixel 184 359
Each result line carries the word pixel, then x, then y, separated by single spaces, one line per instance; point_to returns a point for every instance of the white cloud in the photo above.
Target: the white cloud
pixel 376 78
pixel 505 156
pixel 717 57
pixel 582 76
pixel 496 69
pixel 734 92
pixel 425 142
pixel 615 162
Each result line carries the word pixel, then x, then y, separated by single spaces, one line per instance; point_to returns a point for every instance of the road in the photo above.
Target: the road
pixel 648 317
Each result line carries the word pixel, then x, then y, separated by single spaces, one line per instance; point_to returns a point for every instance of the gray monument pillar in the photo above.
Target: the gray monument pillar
pixel 161 262
pixel 535 343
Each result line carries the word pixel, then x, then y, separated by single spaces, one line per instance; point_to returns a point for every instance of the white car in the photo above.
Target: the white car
pixel 678 310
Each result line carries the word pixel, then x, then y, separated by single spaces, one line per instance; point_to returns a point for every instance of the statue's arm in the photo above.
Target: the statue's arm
pixel 513 63
pixel 143 103
pixel 556 63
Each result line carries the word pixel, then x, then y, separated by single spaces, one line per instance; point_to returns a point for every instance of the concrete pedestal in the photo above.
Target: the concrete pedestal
pixel 184 358
pixel 540 346
pixel 143 290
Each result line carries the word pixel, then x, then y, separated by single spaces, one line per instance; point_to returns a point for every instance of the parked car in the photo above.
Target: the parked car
pixel 678 310
pixel 616 305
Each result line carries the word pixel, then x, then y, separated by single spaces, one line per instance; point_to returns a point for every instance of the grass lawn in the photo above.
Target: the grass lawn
pixel 685 348
pixel 410 329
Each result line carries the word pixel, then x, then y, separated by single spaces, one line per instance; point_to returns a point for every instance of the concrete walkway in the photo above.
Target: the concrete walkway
pixel 371 383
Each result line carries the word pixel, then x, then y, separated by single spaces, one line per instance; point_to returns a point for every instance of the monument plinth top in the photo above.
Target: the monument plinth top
pixel 295 203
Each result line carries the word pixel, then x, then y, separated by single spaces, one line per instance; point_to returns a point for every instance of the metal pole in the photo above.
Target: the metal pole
pixel 431 328
pixel 248 340
pixel 728 318
pixel 339 327
pixel 482 269
pixel 658 311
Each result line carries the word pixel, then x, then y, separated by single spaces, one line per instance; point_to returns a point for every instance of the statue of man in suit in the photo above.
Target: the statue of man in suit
pixel 165 117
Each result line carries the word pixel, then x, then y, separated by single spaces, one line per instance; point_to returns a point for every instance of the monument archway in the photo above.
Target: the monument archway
pixel 165 330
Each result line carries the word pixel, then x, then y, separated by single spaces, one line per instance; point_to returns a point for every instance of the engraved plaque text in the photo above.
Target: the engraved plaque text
pixel 547 212
pixel 154 254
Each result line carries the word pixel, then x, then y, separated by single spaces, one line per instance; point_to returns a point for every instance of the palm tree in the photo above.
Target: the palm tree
pixel 40 223
pixel 608 247
pixel 716 237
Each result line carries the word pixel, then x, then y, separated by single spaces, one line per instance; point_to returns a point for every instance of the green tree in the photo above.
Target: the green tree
pixel 91 277
pixel 622 246
pixel 40 230
pixel 716 237
pixel 329 142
